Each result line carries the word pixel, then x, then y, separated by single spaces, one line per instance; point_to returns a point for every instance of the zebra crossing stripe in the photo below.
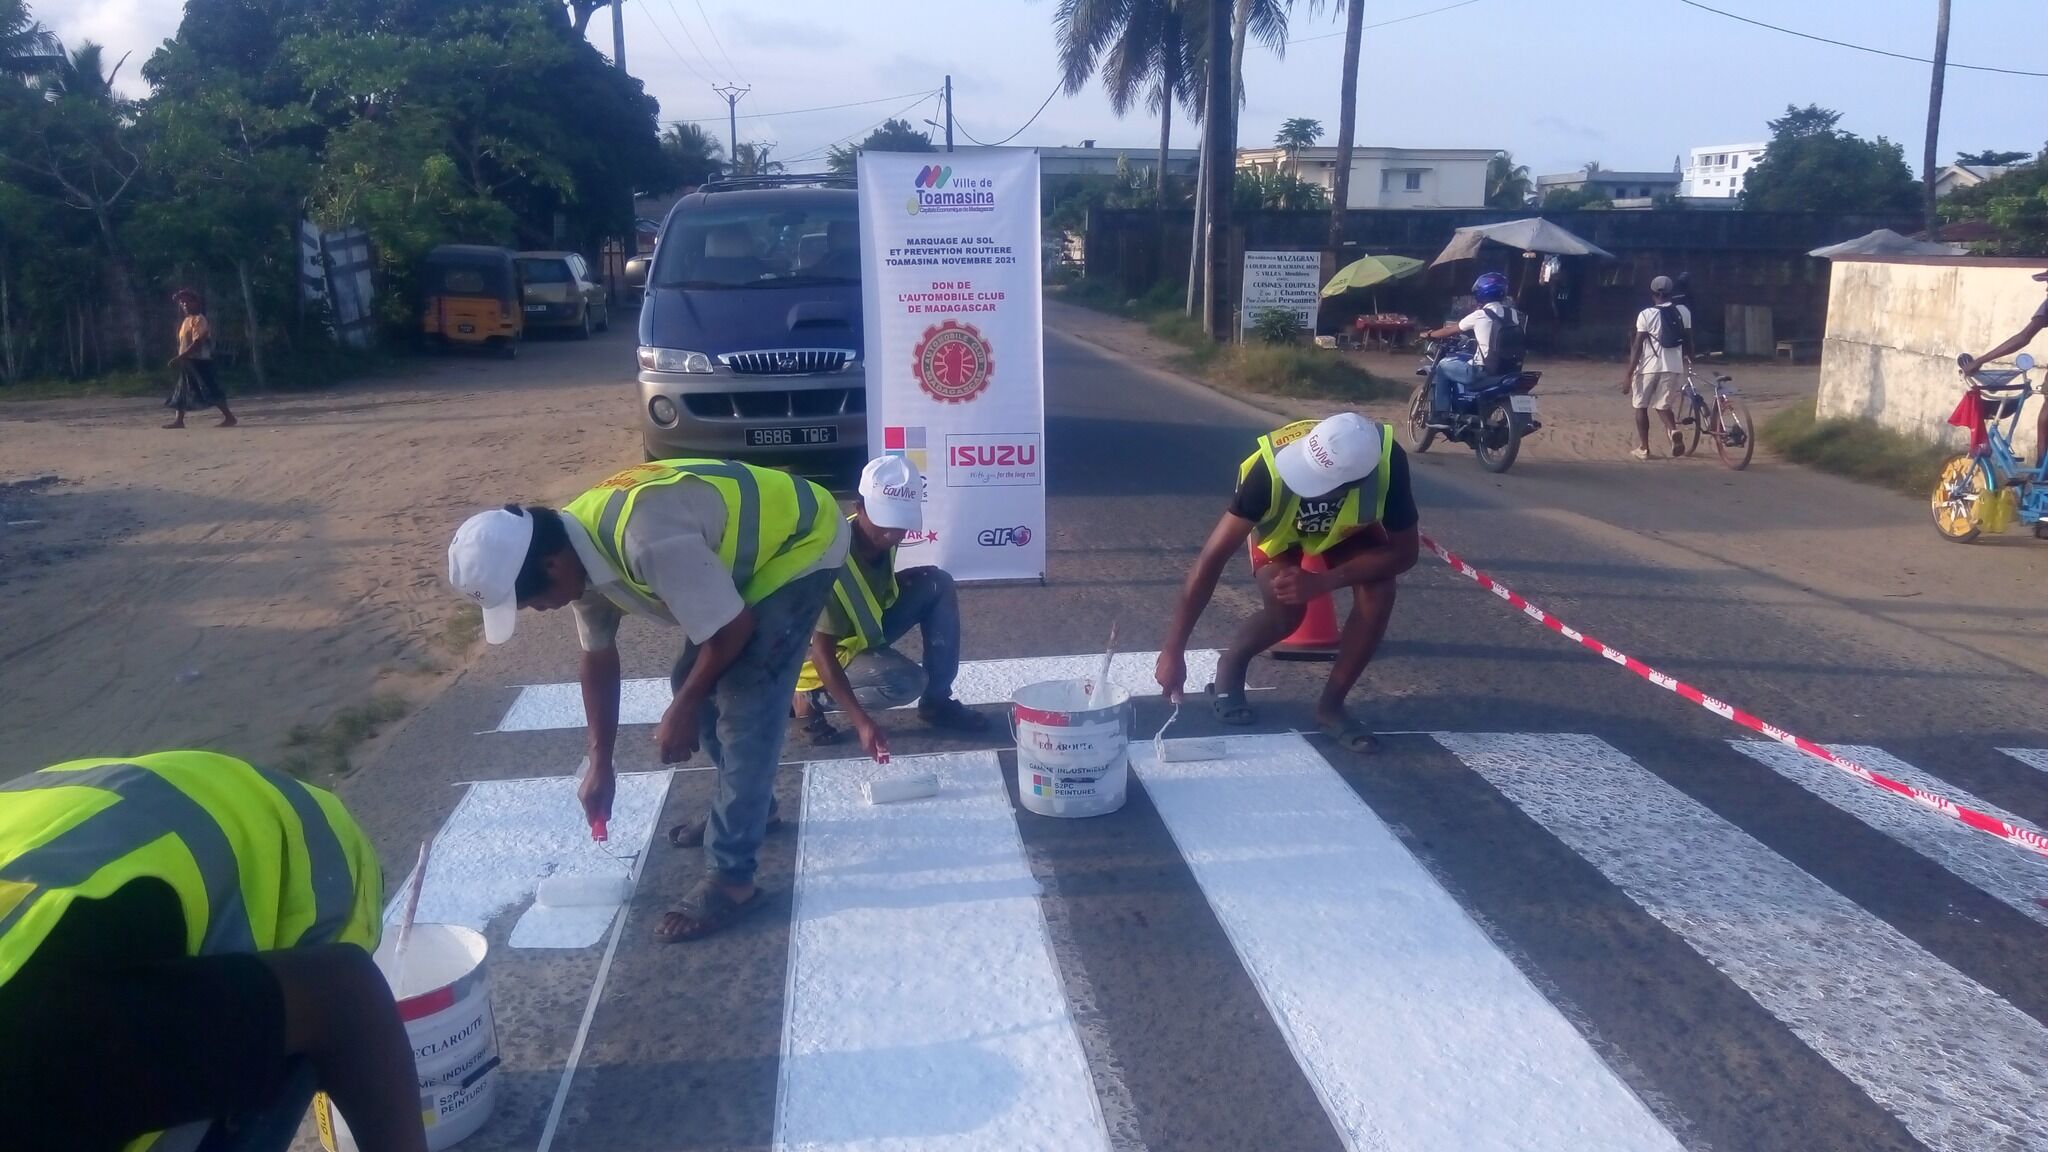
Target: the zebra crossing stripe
pixel 1954 1062
pixel 540 707
pixel 2016 881
pixel 1414 1029
pixel 924 1010
pixel 2032 757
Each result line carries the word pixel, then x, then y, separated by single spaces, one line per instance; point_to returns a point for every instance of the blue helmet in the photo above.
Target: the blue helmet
pixel 1490 287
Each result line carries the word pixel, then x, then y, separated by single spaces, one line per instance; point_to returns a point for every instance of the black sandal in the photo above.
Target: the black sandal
pixel 1230 708
pixel 816 730
pixel 1352 736
pixel 707 909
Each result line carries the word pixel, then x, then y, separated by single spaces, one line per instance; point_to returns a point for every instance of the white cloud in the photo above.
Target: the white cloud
pixel 133 28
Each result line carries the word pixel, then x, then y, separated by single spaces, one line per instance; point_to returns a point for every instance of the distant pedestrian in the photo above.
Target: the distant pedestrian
pixel 1657 357
pixel 197 386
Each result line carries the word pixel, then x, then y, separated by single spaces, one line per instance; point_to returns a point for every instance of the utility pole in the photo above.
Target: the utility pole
pixel 619 34
pixel 949 112
pixel 732 94
pixel 1219 114
pixel 1932 156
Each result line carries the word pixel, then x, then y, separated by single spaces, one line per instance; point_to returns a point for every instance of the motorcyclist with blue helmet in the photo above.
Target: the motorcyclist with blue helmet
pixel 1485 323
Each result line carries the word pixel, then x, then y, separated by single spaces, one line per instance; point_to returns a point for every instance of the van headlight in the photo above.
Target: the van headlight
pixel 673 360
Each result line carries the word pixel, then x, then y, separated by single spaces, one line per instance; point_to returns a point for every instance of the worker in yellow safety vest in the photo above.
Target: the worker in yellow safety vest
pixel 184 946
pixel 852 668
pixel 1338 490
pixel 742 559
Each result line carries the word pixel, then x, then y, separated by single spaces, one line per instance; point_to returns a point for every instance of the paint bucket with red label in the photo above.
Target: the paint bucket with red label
pixel 1072 747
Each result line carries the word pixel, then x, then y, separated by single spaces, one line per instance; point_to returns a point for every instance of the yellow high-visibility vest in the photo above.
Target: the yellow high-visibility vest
pixel 772 527
pixel 1279 531
pixel 864 606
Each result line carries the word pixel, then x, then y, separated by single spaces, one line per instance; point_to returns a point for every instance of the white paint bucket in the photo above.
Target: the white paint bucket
pixel 445 1001
pixel 1072 752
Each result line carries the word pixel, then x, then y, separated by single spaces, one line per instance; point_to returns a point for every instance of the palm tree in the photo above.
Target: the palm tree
pixel 750 158
pixel 84 75
pixel 26 46
pixel 1507 183
pixel 692 154
pixel 1296 133
pixel 1347 120
pixel 1143 47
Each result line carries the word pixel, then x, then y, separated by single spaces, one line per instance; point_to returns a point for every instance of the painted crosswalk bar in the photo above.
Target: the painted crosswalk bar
pixel 506 836
pixel 2032 757
pixel 546 706
pixel 924 1010
pixel 2017 881
pixel 1391 998
pixel 1954 1062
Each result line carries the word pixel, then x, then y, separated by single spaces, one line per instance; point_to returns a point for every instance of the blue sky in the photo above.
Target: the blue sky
pixel 1630 83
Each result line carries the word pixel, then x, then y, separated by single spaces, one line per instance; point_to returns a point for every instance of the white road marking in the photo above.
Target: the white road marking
pixel 1957 1064
pixel 545 706
pixel 2032 757
pixel 506 836
pixel 1416 1031
pixel 924 1009
pixel 2015 879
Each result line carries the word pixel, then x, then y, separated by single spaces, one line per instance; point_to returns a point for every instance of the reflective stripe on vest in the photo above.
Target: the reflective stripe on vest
pixel 1275 532
pixel 864 607
pixel 772 527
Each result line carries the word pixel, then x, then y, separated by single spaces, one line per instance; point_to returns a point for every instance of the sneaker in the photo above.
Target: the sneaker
pixel 1677 444
pixel 950 715
pixel 815 729
pixel 1640 453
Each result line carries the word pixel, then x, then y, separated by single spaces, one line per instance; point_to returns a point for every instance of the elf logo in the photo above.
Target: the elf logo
pixel 999 537
pixel 994 460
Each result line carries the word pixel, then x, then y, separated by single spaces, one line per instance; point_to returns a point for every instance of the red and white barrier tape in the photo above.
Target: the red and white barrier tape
pixel 2012 834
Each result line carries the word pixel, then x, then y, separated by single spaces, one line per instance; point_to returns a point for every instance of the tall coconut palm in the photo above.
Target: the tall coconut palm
pixel 83 74
pixel 1347 120
pixel 1143 49
pixel 751 159
pixel 1507 183
pixel 26 46
pixel 691 152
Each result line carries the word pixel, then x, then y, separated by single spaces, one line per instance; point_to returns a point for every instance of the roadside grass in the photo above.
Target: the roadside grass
pixel 1297 370
pixel 462 630
pixel 1858 449
pixel 288 372
pixel 321 751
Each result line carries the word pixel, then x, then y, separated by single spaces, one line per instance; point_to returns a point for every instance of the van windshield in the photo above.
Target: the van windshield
pixel 760 247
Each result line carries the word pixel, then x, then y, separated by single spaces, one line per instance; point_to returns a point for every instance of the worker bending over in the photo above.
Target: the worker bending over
pixel 742 559
pixel 1338 490
pixel 852 668
pixel 185 944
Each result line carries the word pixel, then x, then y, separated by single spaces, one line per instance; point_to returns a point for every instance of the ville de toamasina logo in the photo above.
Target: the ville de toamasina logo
pixel 935 190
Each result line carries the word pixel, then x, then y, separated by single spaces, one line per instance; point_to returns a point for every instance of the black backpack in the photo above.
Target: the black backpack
pixel 1510 343
pixel 1670 326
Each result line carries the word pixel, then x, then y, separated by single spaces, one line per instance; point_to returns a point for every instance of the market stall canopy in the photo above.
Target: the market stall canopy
pixel 1532 235
pixel 1371 272
pixel 1885 242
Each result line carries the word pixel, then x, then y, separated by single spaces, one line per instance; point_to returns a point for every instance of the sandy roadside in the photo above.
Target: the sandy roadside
pixel 213 588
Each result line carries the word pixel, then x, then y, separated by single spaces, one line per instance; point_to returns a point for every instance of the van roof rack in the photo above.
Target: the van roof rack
pixel 780 180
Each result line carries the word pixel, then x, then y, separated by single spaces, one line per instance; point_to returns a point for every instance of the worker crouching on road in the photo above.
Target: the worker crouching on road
pixel 852 667
pixel 1338 490
pixel 742 559
pixel 185 945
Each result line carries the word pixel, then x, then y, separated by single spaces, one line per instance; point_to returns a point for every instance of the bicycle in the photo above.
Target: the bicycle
pixel 1980 490
pixel 1725 420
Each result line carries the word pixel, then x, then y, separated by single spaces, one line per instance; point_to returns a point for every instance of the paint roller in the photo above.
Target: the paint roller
pixel 1186 749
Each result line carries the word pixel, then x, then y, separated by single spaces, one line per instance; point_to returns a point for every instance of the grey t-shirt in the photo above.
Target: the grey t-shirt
pixel 672 545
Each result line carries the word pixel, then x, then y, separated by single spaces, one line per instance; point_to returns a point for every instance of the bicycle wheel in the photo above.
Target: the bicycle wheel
pixel 1690 414
pixel 1420 434
pixel 1962 482
pixel 1734 433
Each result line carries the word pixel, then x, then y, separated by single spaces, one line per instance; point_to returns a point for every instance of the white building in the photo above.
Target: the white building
pixel 1956 177
pixel 1717 172
pixel 1388 177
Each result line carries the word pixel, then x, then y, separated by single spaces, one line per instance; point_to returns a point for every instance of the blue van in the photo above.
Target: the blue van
pixel 750 326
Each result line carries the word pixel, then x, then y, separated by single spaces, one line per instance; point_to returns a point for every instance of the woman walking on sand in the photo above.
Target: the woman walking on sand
pixel 197 386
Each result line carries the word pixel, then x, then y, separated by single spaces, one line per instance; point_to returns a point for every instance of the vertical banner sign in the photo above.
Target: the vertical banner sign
pixel 955 352
pixel 1287 280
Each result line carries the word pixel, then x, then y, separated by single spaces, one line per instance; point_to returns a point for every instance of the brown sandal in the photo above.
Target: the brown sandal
pixel 690 833
pixel 707 909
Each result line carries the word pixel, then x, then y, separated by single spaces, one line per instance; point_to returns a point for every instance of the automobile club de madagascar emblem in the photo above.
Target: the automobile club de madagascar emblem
pixel 953 362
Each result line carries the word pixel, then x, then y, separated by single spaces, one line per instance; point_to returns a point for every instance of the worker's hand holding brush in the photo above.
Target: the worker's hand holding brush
pixel 872 741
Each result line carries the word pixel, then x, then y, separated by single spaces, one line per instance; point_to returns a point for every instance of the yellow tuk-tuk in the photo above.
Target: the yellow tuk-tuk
pixel 472 297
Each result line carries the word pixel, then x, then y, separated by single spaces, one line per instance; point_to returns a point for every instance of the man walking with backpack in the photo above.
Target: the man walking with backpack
pixel 1499 331
pixel 1657 357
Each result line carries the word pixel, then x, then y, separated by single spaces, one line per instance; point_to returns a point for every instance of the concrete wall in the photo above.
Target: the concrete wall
pixel 1895 329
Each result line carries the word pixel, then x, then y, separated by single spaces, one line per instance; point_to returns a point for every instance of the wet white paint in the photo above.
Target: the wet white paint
pixel 2016 879
pixel 924 1010
pixel 2032 757
pixel 506 836
pixel 1416 1031
pixel 546 706
pixel 1958 1065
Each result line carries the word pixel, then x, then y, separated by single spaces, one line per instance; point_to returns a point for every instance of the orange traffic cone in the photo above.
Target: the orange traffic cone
pixel 1316 637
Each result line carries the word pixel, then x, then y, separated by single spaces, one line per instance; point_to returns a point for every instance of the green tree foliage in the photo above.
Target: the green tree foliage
pixel 1992 158
pixel 2014 203
pixel 1576 199
pixel 1507 183
pixel 750 158
pixel 1298 132
pixel 1263 189
pixel 691 155
pixel 26 46
pixel 892 136
pixel 1813 166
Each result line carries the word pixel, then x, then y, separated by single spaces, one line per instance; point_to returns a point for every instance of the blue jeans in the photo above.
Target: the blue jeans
pixel 884 678
pixel 746 717
pixel 1449 373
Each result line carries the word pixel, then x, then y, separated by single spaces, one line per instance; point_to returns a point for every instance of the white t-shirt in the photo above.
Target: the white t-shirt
pixel 1656 357
pixel 1481 324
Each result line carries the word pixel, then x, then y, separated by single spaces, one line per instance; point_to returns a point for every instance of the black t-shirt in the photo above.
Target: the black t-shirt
pixel 1254 496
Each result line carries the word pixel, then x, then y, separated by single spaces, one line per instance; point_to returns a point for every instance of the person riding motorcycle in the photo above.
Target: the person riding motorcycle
pixel 1496 327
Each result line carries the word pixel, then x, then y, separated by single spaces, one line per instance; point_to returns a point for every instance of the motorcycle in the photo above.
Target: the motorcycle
pixel 1490 416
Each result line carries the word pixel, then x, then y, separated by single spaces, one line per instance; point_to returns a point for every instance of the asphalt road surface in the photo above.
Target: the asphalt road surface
pixel 1561 909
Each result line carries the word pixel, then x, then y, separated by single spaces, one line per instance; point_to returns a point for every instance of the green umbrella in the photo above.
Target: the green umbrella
pixel 1369 272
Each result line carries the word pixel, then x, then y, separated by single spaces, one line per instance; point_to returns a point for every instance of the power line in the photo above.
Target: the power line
pixel 656 25
pixel 685 26
pixel 715 40
pixel 823 150
pixel 1857 47
pixel 800 111
pixel 1012 136
pixel 1386 23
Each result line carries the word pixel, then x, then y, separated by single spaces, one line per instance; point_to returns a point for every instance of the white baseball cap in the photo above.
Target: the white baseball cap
pixel 484 561
pixel 892 493
pixel 1336 452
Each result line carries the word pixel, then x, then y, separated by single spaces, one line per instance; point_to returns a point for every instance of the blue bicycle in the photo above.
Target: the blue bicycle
pixel 1985 489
